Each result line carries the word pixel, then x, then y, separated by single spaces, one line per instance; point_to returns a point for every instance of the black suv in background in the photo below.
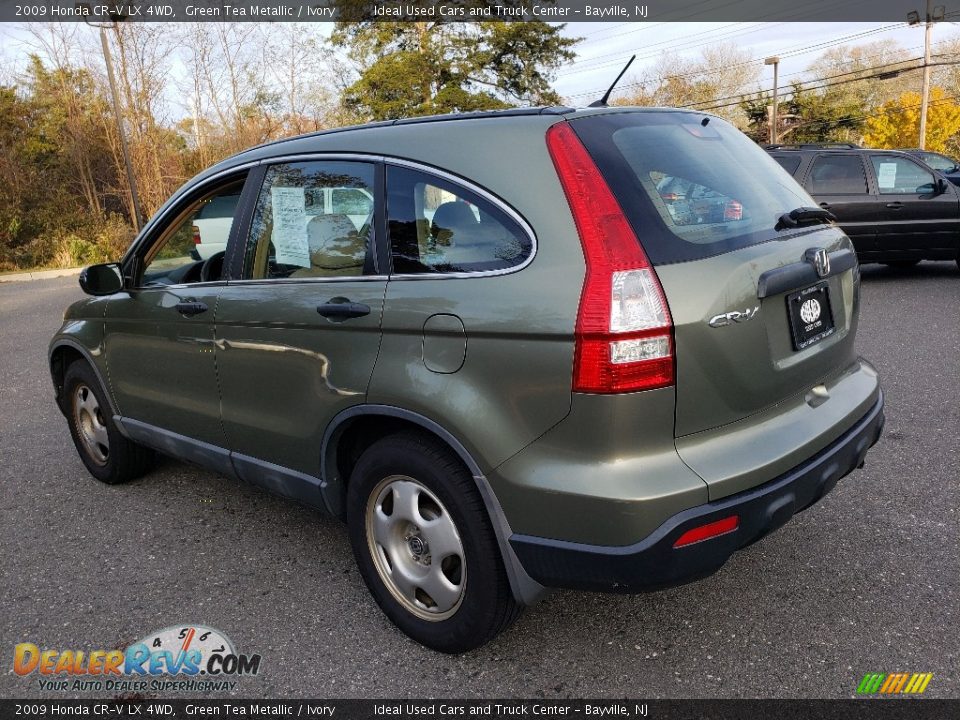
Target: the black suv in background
pixel 896 209
pixel 944 164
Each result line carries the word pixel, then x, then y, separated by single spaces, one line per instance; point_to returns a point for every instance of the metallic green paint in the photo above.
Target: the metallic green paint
pixel 161 364
pixel 266 378
pixel 285 370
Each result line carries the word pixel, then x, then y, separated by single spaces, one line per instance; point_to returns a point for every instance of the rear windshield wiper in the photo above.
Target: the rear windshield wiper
pixel 803 216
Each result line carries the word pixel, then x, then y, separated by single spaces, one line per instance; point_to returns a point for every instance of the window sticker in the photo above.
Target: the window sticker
pixel 290 226
pixel 887 176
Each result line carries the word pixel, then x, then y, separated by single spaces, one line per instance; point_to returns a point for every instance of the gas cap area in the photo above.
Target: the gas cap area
pixel 444 344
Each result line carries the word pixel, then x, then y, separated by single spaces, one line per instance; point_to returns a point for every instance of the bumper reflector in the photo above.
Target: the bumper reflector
pixel 710 530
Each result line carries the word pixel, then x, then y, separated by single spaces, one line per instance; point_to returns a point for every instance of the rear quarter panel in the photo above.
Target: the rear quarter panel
pixel 515 380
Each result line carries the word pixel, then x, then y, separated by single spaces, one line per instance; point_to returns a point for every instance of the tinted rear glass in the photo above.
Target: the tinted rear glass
pixel 837 175
pixel 689 190
pixel 790 163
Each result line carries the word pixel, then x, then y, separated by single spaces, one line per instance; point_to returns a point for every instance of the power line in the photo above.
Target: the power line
pixel 744 96
pixel 703 73
pixel 801 11
pixel 621 55
pixel 794 51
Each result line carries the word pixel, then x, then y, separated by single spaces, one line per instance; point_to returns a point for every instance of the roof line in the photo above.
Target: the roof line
pixel 447 117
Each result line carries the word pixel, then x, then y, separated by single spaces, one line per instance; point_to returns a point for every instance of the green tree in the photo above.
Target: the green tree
pixel 807 116
pixel 421 68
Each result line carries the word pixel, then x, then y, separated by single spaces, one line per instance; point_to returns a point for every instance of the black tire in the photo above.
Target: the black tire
pixel 486 605
pixel 89 417
pixel 901 264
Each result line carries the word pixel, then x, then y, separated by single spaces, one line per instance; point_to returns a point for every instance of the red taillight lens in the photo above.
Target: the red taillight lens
pixel 732 210
pixel 196 235
pixel 624 332
pixel 710 530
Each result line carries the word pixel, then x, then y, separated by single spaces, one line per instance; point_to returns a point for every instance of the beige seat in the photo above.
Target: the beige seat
pixel 336 248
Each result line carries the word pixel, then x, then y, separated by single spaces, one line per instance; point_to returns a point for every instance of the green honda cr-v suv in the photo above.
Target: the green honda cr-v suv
pixel 599 349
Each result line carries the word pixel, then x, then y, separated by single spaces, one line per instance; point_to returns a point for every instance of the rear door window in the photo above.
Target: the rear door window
pixel 437 226
pixel 837 175
pixel 692 186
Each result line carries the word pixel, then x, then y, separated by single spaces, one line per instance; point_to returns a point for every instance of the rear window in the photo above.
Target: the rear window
pixel 790 163
pixel 690 190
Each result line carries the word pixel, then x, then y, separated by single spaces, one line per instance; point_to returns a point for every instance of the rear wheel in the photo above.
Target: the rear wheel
pixel 425 546
pixel 107 454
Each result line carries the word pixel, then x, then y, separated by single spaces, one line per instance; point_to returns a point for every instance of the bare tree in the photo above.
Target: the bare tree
pixel 720 73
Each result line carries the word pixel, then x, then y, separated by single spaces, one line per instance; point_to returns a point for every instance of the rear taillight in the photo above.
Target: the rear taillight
pixel 732 210
pixel 624 332
pixel 196 235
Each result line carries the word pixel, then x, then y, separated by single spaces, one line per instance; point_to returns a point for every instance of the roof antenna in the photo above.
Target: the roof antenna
pixel 602 102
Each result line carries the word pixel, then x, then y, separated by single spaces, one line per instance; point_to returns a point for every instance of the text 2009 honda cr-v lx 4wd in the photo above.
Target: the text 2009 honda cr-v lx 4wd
pixel 598 349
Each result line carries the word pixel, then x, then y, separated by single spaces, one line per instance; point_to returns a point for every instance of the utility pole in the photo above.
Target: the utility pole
pixel 775 61
pixel 933 14
pixel 131 180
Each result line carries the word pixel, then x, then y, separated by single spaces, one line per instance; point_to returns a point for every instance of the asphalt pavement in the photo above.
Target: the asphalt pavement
pixel 865 581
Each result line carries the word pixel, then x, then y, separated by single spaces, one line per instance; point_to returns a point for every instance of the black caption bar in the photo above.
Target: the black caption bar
pixel 901 709
pixel 454 10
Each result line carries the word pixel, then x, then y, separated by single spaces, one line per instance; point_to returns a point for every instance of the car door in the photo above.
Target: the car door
pixel 838 182
pixel 916 218
pixel 159 333
pixel 298 329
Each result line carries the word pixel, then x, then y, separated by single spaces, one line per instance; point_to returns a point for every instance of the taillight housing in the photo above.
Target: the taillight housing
pixel 732 211
pixel 624 333
pixel 196 235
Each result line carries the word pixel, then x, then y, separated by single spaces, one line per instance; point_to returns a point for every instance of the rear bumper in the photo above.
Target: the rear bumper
pixel 654 563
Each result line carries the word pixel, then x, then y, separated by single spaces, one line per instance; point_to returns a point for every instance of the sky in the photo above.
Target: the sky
pixel 606 47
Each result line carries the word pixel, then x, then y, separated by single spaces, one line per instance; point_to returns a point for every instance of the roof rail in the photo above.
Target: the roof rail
pixel 448 117
pixel 813 146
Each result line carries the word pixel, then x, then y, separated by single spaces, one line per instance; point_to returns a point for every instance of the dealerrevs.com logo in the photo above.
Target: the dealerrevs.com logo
pixel 191 658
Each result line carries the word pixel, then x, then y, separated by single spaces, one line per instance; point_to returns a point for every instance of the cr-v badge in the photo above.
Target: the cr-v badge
pixel 734 316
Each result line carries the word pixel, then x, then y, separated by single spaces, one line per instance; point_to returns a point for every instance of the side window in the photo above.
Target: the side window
pixel 790 163
pixel 313 220
pixel 192 246
pixel 436 226
pixel 899 176
pixel 939 162
pixel 837 175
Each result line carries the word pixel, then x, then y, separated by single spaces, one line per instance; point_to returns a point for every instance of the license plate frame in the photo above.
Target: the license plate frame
pixel 810 315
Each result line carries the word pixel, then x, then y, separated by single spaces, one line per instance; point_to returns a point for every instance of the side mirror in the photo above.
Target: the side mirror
pixel 941 186
pixel 104 279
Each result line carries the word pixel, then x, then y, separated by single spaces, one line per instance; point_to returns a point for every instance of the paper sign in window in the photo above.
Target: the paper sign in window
pixel 887 176
pixel 290 226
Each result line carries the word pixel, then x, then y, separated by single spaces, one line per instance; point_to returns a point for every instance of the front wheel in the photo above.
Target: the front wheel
pixel 108 455
pixel 424 544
